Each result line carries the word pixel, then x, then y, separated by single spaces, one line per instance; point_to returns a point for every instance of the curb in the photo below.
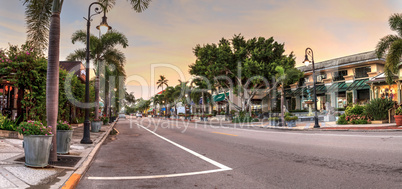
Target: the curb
pixel 75 178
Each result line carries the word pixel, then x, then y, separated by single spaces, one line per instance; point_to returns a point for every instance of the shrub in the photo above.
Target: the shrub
pixel 398 111
pixel 296 110
pixel 378 108
pixel 232 112
pixel 354 110
pixel 291 118
pixel 105 119
pixel 244 119
pixel 214 112
pixel 63 126
pixel 7 124
pixel 273 119
pixel 287 114
pixel 34 128
pixel 342 120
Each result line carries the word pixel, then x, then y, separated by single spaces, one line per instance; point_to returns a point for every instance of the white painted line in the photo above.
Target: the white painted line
pixel 190 151
pixel 156 176
pixel 221 166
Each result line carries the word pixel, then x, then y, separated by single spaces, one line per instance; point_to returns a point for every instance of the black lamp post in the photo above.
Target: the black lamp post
pixel 86 139
pixel 309 52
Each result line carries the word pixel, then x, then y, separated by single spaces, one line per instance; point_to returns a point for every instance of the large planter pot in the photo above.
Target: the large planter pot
pixel 63 141
pixel 398 120
pixel 291 123
pixel 96 126
pixel 274 122
pixel 37 150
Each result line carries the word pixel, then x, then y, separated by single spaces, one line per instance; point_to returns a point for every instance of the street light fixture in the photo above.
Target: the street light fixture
pixel 86 139
pixel 309 52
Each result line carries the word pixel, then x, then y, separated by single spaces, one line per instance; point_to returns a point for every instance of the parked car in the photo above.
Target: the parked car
pixel 122 116
pixel 139 115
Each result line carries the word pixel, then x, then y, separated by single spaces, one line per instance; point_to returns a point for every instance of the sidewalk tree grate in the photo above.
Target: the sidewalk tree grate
pixel 63 161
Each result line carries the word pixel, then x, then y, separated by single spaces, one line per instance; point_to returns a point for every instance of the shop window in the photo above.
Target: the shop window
pixel 293 102
pixel 321 77
pixel 362 72
pixel 339 75
pixel 350 98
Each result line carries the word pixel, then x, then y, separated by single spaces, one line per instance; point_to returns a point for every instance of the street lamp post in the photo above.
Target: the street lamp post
pixel 186 106
pixel 86 139
pixel 309 52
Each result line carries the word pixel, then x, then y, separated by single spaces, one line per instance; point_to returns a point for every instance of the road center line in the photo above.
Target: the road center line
pixel 224 134
pixel 221 166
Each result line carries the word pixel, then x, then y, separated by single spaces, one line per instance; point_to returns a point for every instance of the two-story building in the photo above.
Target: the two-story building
pixel 340 81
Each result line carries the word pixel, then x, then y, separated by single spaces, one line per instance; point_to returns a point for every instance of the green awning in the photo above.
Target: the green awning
pixel 320 89
pixel 297 91
pixel 288 92
pixel 337 87
pixel 358 85
pixel 219 97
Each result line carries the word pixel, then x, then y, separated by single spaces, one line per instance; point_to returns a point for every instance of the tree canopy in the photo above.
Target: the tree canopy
pixel 243 66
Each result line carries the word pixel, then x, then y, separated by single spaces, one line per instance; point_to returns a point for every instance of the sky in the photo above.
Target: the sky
pixel 162 38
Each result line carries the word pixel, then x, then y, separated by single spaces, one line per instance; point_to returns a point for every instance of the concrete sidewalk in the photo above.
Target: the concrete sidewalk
pixel 308 126
pixel 64 173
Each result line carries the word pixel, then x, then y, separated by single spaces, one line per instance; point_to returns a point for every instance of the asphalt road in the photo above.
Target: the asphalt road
pixel 153 153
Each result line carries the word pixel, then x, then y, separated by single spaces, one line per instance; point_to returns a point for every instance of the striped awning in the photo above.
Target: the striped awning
pixel 337 87
pixel 358 85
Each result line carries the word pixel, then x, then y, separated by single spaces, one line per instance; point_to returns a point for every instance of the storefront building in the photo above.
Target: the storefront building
pixel 341 81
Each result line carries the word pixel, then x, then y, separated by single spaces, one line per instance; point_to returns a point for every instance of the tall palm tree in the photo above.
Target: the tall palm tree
pixel 102 50
pixel 392 46
pixel 47 13
pixel 161 82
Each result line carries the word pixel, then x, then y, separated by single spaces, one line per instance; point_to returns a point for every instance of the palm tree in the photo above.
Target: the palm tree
pixel 102 50
pixel 161 82
pixel 391 44
pixel 47 13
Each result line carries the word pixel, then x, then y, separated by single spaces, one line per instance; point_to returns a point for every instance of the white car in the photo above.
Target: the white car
pixel 138 115
pixel 122 116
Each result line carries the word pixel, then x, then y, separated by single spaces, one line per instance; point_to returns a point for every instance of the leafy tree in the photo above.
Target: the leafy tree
pixel 285 78
pixel 243 66
pixel 392 46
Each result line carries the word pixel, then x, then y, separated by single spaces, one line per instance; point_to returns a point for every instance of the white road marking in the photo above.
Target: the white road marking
pixel 221 166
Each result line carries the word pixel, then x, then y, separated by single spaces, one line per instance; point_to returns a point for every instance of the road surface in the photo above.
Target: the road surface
pixel 156 153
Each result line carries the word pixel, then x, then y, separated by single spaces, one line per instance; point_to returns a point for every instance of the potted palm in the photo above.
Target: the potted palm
pixel 64 135
pixel 398 116
pixel 37 142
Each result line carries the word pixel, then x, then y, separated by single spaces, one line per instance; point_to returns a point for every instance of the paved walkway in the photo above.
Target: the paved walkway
pixel 14 174
pixel 303 125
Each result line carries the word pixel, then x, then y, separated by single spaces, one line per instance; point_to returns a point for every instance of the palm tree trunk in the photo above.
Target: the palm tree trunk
pixel 203 107
pixel 282 103
pixel 52 82
pixel 97 97
pixel 105 111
